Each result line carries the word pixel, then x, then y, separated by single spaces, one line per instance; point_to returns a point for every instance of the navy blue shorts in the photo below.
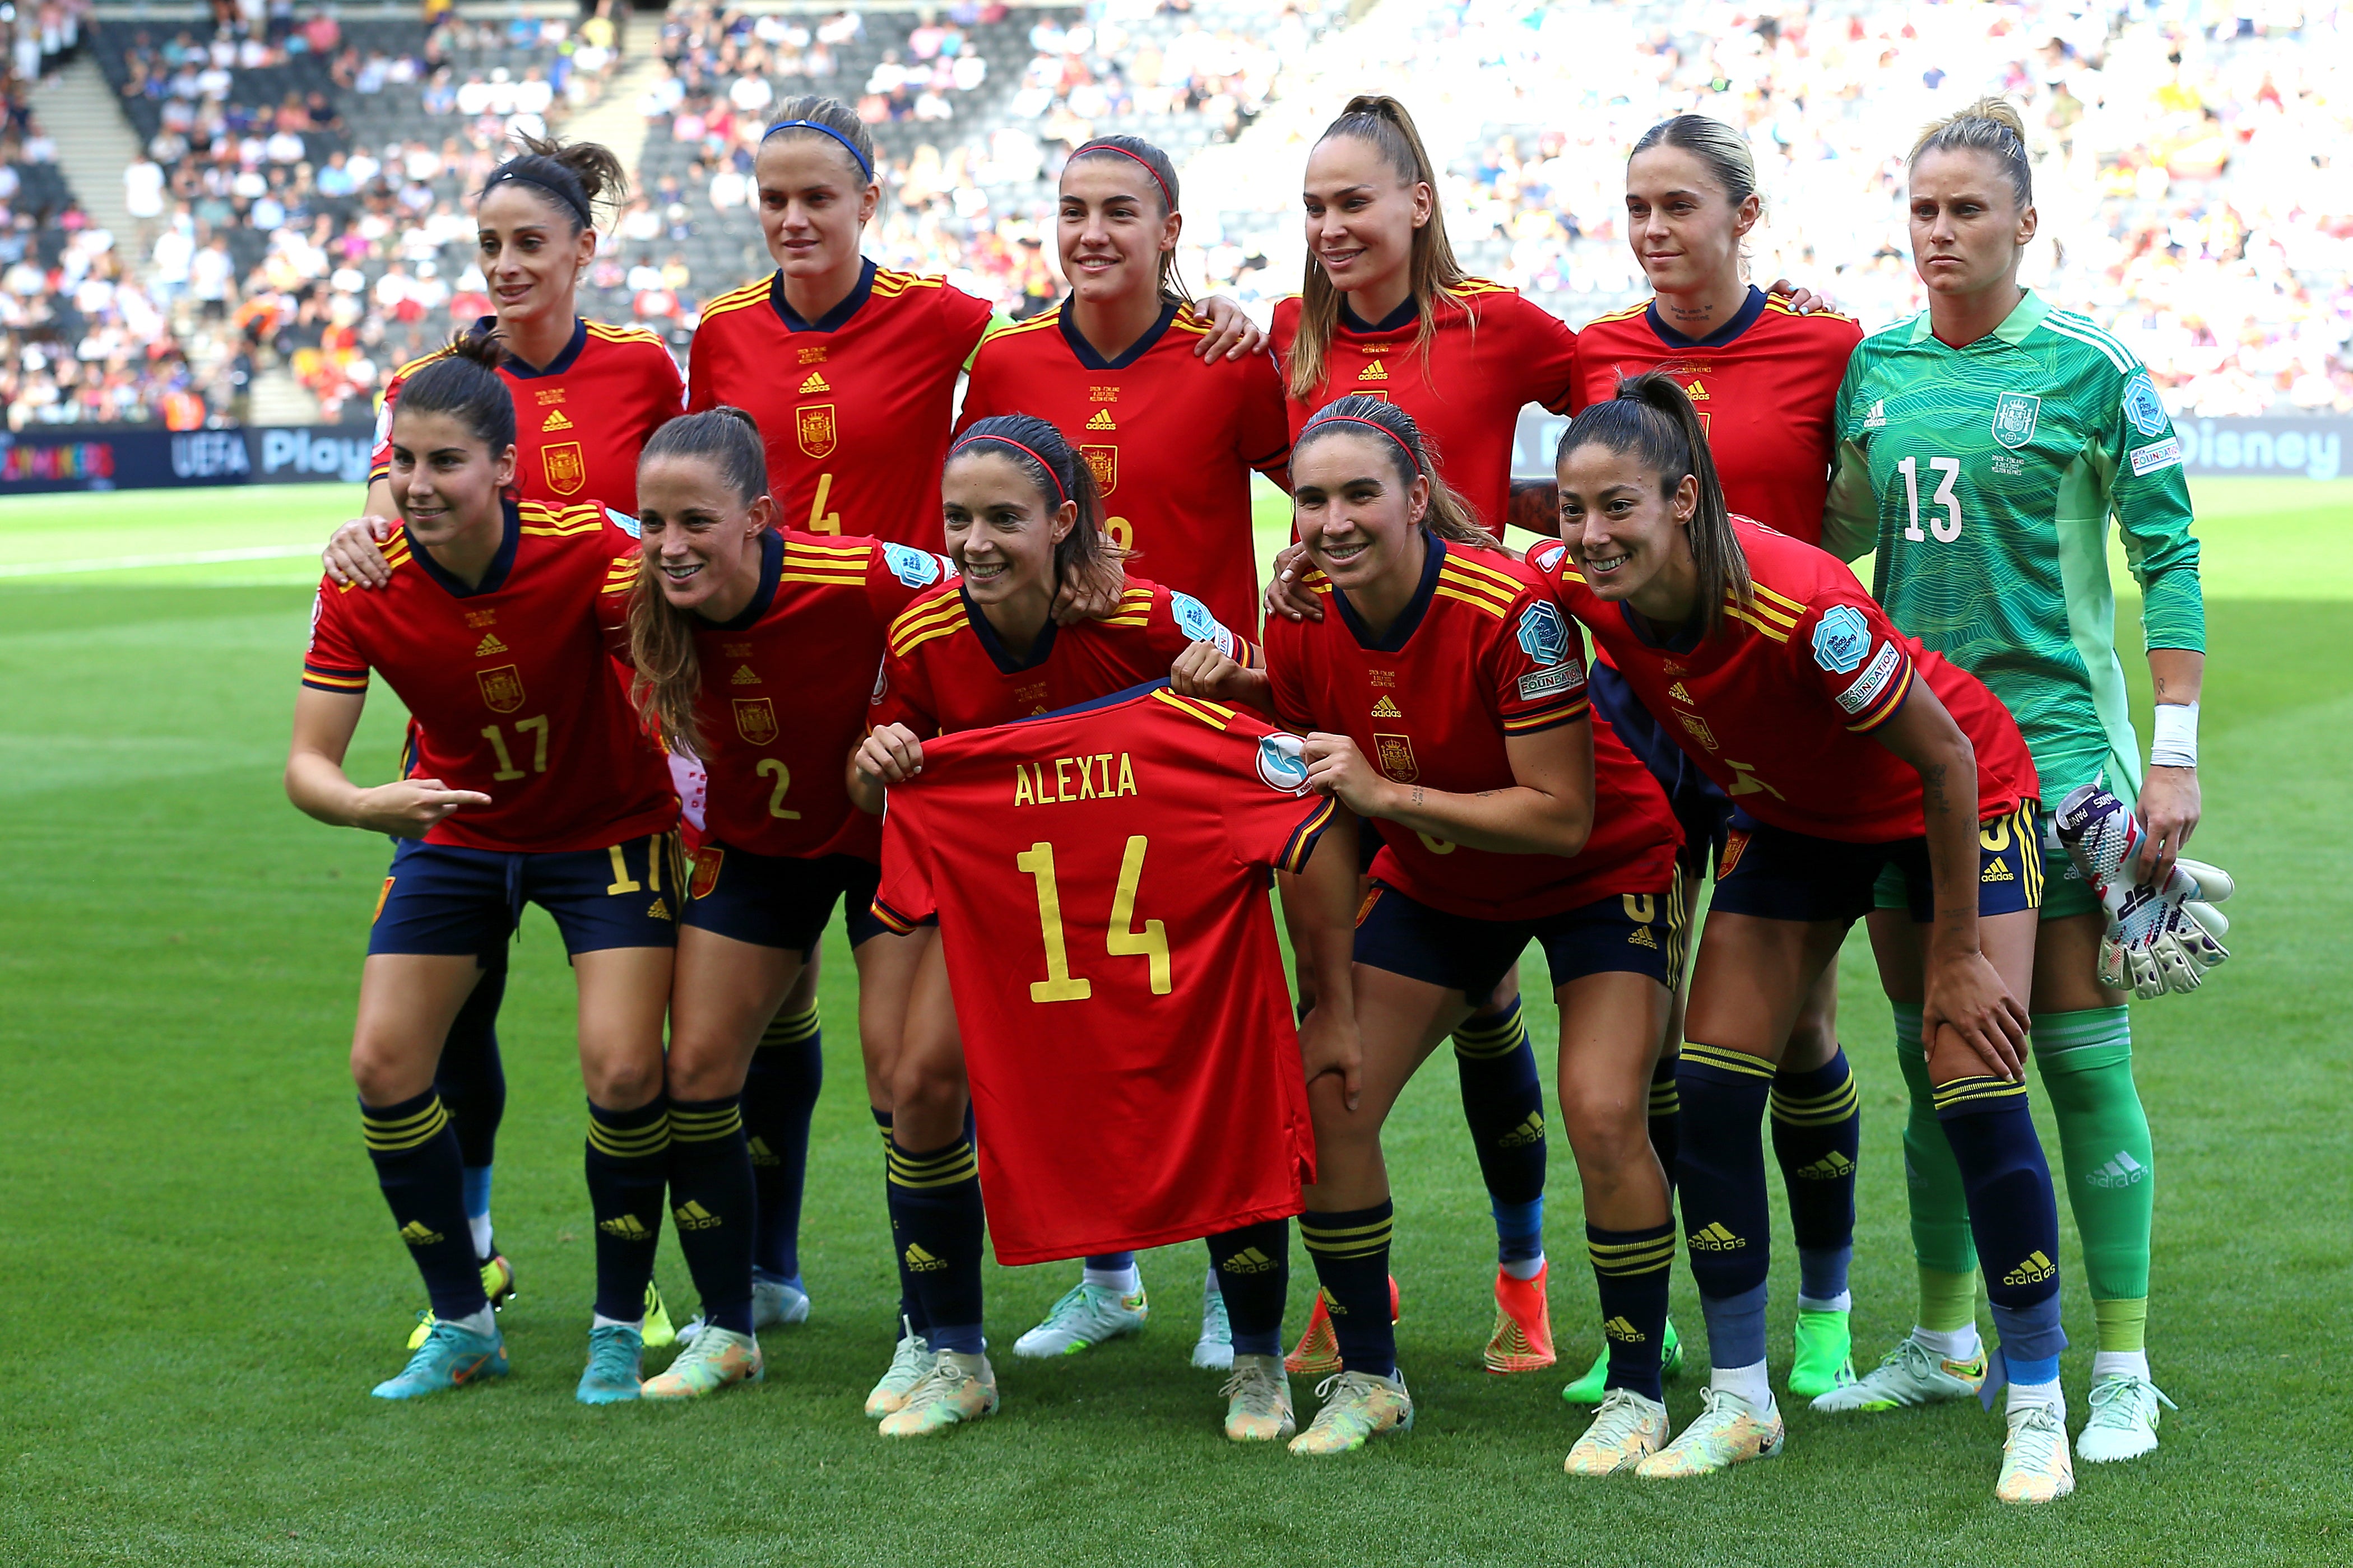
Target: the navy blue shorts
pixel 1704 811
pixel 1640 933
pixel 781 901
pixel 1778 875
pixel 443 899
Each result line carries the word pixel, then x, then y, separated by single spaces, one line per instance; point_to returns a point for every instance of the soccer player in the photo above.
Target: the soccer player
pixel 530 781
pixel 1764 376
pixel 587 395
pixel 1172 439
pixel 1446 698
pixel 1159 1045
pixel 755 649
pixel 1849 751
pixel 1022 517
pixel 1386 311
pixel 849 368
pixel 1983 446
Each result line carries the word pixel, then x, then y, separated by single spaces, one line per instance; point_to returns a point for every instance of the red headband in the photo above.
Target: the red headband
pixel 1373 424
pixel 1060 495
pixel 1106 147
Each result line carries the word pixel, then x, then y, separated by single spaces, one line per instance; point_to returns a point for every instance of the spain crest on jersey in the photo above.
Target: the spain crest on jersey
pixel 566 469
pixel 707 862
pixel 1105 461
pixel 1698 728
pixel 501 688
pixel 1393 754
pixel 755 721
pixel 814 428
pixel 2014 418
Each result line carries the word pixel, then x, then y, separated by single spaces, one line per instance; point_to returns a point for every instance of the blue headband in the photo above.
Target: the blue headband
pixel 864 167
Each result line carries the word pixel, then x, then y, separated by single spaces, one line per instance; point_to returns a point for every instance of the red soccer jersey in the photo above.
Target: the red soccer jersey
pixel 1490 355
pixel 508 688
pixel 1101 881
pixel 785 688
pixel 1172 441
pixel 855 406
pixel 1764 385
pixel 581 422
pixel 1778 706
pixel 1480 655
pixel 947 672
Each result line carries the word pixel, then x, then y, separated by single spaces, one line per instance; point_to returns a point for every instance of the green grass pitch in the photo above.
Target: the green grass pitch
pixel 200 1285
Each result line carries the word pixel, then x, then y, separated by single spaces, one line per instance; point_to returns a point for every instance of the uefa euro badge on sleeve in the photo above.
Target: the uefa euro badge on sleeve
pixel 1840 640
pixel 1544 636
pixel 1282 763
pixel 914 568
pixel 2143 407
pixel 2158 940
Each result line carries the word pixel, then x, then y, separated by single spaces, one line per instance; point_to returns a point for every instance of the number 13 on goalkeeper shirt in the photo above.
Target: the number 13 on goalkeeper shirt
pixel 1100 875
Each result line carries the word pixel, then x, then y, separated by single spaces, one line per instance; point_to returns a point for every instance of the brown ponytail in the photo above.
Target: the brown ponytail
pixel 1433 274
pixel 1411 454
pixel 573 176
pixel 668 679
pixel 1651 419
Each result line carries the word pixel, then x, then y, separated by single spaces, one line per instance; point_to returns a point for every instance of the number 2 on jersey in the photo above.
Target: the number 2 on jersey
pixel 1947 528
pixel 1122 939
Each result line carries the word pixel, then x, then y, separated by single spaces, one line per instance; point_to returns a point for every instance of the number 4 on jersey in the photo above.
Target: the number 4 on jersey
pixel 1121 938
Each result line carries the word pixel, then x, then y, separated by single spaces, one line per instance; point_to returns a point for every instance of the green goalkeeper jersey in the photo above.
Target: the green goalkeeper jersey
pixel 1985 477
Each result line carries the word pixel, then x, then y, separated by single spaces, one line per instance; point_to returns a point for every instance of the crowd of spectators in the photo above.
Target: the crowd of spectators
pixel 2191 159
pixel 2189 165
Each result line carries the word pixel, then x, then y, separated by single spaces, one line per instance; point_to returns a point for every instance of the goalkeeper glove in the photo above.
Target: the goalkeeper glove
pixel 2159 939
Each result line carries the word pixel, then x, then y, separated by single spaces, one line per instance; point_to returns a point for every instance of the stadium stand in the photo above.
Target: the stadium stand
pixel 304 199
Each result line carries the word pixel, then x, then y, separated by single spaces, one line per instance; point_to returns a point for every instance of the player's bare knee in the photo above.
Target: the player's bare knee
pixel 623 1081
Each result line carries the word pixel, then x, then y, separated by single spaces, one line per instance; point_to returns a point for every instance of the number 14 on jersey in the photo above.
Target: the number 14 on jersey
pixel 1121 938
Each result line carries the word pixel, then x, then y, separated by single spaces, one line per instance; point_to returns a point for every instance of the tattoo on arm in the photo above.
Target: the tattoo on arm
pixel 1417 795
pixel 1932 788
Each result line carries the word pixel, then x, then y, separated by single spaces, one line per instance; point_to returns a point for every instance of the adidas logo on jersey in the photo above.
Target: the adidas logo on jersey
pixel 1101 421
pixel 628 1226
pixel 555 421
pixel 1678 693
pixel 1713 1237
pixel 1249 1261
pixel 2033 1271
pixel 1697 392
pixel 1640 937
pixel 1828 1168
pixel 1527 1132
pixel 1997 871
pixel 1385 709
pixel 744 676
pixel 1877 419
pixel 763 1155
pixel 417 1233
pixel 488 646
pixel 1374 371
pixel 1621 1330
pixel 924 1262
pixel 2121 1172
pixel 694 1217
pixel 816 382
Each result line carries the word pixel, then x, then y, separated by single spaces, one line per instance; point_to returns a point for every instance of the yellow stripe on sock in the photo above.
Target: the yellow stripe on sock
pixel 1723 1060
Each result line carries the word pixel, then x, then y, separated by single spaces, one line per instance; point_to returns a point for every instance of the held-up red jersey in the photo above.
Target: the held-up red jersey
pixel 580 422
pixel 1480 655
pixel 786 687
pixel 1101 881
pixel 1764 384
pixel 947 672
pixel 854 405
pixel 508 687
pixel 1490 354
pixel 1172 441
pixel 1779 705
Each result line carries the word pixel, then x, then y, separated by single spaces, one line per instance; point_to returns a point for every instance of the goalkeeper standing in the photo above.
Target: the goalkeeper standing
pixel 1983 446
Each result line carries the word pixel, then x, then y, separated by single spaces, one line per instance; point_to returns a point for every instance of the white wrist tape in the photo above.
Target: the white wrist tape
pixel 2175 743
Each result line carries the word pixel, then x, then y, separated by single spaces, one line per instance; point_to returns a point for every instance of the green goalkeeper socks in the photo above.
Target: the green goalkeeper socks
pixel 2085 1059
pixel 1940 1208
